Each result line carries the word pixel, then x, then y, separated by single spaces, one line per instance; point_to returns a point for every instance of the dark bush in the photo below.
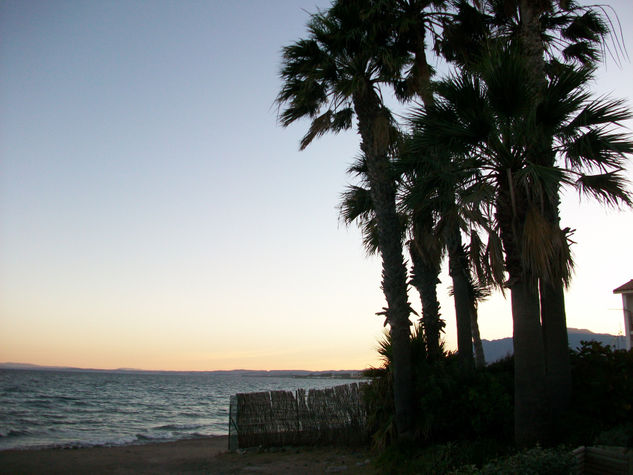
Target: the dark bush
pixel 455 404
pixel 452 457
pixel 464 418
pixel 536 461
pixel 452 404
pixel 602 396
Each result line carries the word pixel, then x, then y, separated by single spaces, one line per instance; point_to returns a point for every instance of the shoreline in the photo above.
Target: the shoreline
pixel 191 456
pixel 143 458
pixel 109 445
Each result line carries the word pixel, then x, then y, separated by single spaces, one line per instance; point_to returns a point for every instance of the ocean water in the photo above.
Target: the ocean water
pixel 81 409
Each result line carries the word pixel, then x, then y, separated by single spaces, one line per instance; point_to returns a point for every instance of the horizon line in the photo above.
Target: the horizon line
pixel 16 365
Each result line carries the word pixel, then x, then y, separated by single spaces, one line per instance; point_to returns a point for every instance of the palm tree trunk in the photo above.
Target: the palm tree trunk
pixel 529 365
pixel 395 288
pixel 457 268
pixel 529 360
pixel 480 360
pixel 558 366
pixel 432 323
pixel 532 44
pixel 553 318
pixel 462 295
pixel 373 126
pixel 554 323
pixel 425 279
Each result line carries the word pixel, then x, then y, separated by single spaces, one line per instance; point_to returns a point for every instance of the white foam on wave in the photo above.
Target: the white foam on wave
pixel 179 427
pixel 153 435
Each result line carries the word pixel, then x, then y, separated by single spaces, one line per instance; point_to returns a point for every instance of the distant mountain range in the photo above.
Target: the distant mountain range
pixel 334 374
pixel 494 350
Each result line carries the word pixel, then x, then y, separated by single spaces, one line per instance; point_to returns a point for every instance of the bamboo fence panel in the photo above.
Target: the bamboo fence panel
pixel 320 416
pixel 603 460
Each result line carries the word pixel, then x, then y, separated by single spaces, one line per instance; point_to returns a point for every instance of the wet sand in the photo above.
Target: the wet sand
pixel 195 456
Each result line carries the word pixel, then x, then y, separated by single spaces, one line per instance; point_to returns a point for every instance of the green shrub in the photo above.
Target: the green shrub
pixel 453 457
pixel 455 404
pixel 618 436
pixel 602 391
pixel 535 461
pixel 452 403
pixel 464 419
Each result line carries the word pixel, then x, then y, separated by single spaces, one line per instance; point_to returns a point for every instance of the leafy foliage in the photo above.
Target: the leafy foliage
pixel 462 457
pixel 464 419
pixel 484 123
pixel 536 461
pixel 452 403
pixel 602 392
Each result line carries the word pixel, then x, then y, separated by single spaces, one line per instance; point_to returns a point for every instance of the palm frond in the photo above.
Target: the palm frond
pixel 358 168
pixel 320 125
pixel 586 27
pixel 356 204
pixel 369 230
pixel 504 72
pixel 329 121
pixel 608 188
pixel 427 243
pixel 458 119
pixel 545 248
pixel 582 51
pixel 306 80
pixel 494 258
pixel 541 183
pixel 562 98
pixel 476 253
pixel 600 111
pixel 597 147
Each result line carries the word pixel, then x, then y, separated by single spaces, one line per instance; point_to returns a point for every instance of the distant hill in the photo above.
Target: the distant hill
pixel 333 374
pixel 494 350
pixel 18 366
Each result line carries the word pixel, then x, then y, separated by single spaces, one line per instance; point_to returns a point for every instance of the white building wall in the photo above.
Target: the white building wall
pixel 627 305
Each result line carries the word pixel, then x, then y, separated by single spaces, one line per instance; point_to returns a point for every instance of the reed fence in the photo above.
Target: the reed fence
pixel 315 417
pixel 603 461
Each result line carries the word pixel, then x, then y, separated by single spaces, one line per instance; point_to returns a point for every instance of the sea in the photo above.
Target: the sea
pixel 46 409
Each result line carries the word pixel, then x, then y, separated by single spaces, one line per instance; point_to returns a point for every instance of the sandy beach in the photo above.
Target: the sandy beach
pixel 205 455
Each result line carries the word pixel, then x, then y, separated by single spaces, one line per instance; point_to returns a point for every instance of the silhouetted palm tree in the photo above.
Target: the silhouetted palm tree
pixel 426 257
pixel 424 249
pixel 331 77
pixel 548 33
pixel 415 22
pixel 489 119
pixel 434 185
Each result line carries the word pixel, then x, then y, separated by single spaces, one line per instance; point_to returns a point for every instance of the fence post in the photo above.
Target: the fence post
pixel 233 429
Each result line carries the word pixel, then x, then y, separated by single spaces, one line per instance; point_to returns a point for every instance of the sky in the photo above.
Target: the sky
pixel 154 215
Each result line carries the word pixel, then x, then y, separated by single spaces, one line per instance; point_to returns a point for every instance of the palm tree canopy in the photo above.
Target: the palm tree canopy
pixel 348 50
pixel 488 118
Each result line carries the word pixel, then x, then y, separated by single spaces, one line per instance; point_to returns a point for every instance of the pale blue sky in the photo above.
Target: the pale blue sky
pixel 153 214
